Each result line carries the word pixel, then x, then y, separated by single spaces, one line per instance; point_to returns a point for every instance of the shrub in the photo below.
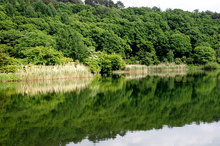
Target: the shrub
pixel 45 56
pixel 156 62
pixel 165 60
pixel 218 60
pixel 203 54
pixel 178 61
pixel 93 64
pixel 103 63
pixel 146 60
pixel 189 60
pixel 132 60
pixel 9 68
pixel 184 59
pixel 117 62
pixel 170 56
pixel 7 63
pixel 211 66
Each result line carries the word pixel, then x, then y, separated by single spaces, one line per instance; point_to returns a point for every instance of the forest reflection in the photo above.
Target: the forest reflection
pixel 107 107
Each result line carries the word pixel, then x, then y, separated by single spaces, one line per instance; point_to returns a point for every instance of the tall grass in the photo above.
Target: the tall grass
pixel 41 72
pixel 160 67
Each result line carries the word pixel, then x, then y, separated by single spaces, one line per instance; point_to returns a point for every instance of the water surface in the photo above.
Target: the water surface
pixel 177 109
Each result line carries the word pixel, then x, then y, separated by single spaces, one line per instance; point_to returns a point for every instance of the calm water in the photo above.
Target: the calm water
pixel 138 110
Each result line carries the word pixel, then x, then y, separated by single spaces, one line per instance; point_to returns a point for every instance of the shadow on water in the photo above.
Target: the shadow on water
pixel 105 108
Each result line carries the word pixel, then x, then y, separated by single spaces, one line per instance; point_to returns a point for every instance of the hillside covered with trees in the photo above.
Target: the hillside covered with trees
pixel 101 32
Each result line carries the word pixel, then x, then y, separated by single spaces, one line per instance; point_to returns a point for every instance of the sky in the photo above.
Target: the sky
pixel 188 5
pixel 189 135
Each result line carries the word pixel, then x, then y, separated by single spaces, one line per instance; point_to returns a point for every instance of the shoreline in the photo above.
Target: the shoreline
pixel 43 73
pixel 49 79
pixel 65 72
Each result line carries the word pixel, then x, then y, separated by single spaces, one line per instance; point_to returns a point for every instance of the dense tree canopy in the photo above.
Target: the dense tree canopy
pixel 147 35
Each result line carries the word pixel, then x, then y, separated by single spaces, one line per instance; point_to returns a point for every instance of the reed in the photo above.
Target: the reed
pixel 41 72
pixel 159 67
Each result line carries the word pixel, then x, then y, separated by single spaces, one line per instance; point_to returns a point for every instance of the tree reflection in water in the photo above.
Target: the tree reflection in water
pixel 108 107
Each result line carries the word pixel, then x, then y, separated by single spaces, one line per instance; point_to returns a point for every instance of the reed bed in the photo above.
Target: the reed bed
pixel 159 67
pixel 41 72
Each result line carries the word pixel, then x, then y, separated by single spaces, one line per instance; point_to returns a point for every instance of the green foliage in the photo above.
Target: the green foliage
pixel 184 59
pixel 170 56
pixel 103 63
pixel 203 54
pixel 117 62
pixel 45 56
pixel 131 60
pixel 211 66
pixel 146 54
pixel 218 60
pixel 71 44
pixel 93 63
pixel 189 60
pixel 106 108
pixel 180 44
pixel 107 3
pixel 147 35
pixel 7 63
pixel 178 61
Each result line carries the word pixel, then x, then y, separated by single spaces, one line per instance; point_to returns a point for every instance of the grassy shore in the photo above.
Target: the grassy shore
pixel 167 67
pixel 33 72
pixel 136 68
pixel 40 72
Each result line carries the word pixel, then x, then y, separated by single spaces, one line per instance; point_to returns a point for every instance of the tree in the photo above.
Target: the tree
pixel 170 56
pixel 71 44
pixel 71 1
pixel 146 53
pixel 180 44
pixel 203 54
pixel 45 56
pixel 119 5
pixel 107 3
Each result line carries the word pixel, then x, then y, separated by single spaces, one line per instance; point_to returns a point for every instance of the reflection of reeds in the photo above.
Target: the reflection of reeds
pixel 50 86
pixel 33 72
pixel 159 74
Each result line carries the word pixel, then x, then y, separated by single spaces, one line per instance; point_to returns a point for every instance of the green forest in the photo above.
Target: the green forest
pixel 104 35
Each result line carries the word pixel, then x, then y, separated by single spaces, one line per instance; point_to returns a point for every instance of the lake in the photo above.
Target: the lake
pixel 155 109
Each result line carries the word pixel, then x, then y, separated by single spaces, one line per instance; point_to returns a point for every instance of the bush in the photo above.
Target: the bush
pixel 9 68
pixel 170 56
pixel 178 61
pixel 189 60
pixel 184 59
pixel 165 60
pixel 146 60
pixel 103 63
pixel 211 66
pixel 7 63
pixel 132 60
pixel 117 62
pixel 93 64
pixel 45 56
pixel 218 60
pixel 203 54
